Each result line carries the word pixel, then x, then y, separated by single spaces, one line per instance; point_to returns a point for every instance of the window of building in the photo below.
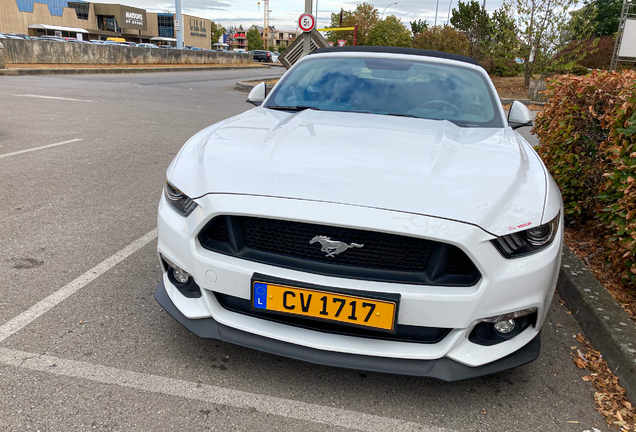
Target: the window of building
pixel 56 7
pixel 166 24
pixel 81 9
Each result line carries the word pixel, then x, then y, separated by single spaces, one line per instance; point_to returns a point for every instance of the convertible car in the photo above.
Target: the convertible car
pixel 377 210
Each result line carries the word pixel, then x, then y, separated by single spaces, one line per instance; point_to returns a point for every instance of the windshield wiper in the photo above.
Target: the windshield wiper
pixel 402 115
pixel 292 108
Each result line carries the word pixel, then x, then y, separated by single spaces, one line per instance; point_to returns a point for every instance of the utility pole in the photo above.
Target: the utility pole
pixel 178 23
pixel 436 9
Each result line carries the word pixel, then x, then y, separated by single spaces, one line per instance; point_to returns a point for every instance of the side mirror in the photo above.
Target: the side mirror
pixel 519 115
pixel 257 94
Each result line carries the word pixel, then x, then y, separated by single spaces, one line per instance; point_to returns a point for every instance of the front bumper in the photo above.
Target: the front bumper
pixel 443 368
pixel 506 286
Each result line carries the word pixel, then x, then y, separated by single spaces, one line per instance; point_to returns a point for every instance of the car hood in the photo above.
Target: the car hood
pixel 487 177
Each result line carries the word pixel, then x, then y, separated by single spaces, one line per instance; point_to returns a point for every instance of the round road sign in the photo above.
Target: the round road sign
pixel 306 22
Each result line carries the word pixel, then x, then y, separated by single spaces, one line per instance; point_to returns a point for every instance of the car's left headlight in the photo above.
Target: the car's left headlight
pixel 178 200
pixel 525 242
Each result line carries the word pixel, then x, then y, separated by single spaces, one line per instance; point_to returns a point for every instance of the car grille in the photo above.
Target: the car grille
pixel 384 257
pixel 403 333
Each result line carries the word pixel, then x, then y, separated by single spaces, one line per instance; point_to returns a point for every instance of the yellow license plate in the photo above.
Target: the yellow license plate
pixel 324 305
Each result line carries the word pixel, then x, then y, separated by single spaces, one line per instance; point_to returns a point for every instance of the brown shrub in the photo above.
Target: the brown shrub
pixel 588 142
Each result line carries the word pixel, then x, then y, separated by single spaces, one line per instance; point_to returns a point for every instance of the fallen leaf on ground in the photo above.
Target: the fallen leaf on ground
pixel 609 399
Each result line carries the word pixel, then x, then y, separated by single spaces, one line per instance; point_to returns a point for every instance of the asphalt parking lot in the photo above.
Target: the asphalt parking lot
pixel 84 345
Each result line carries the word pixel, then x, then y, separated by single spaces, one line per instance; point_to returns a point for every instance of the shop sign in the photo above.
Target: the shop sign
pixel 197 28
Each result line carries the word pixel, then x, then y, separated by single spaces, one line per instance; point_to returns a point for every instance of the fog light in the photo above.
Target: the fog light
pixel 505 327
pixel 180 275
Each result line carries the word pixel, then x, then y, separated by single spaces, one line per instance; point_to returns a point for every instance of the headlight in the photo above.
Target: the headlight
pixel 529 241
pixel 178 200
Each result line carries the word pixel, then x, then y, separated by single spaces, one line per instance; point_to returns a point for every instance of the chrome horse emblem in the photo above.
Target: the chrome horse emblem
pixel 333 247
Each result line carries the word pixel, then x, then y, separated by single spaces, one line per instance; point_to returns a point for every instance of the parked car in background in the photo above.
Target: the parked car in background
pixel 275 58
pixel 146 45
pixel 116 39
pixel 52 38
pixel 109 42
pixel 97 42
pixel 196 49
pixel 240 51
pixel 166 47
pixel 132 44
pixel 20 36
pixel 72 40
pixel 261 56
pixel 11 36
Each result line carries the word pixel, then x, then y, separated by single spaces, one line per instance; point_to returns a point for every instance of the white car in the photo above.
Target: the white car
pixel 376 211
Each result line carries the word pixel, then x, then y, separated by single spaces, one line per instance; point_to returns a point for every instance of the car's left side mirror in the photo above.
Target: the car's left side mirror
pixel 257 94
pixel 519 115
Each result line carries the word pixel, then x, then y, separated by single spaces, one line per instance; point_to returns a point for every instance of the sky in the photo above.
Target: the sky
pixel 284 13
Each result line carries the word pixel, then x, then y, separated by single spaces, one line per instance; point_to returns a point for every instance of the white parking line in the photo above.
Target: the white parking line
pixel 53 97
pixel 39 148
pixel 331 417
pixel 25 318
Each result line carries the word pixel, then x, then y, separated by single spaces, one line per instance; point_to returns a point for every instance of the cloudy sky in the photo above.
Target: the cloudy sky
pixel 285 12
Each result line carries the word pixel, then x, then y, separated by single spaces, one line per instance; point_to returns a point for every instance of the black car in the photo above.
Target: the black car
pixel 262 56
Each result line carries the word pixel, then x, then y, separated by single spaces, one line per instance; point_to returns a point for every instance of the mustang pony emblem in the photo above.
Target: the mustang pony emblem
pixel 333 247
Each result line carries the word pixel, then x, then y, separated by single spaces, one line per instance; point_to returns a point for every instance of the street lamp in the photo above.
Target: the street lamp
pixel 385 10
pixel 449 9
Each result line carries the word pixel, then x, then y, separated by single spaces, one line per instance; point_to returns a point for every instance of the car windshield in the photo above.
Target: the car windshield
pixel 389 86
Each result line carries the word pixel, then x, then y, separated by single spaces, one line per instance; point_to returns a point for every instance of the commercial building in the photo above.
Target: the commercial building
pixel 86 20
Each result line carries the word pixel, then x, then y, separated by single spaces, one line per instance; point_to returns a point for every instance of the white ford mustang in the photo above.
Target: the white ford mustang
pixel 375 211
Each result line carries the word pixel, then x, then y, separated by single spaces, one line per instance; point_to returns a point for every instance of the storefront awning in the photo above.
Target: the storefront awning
pixel 164 39
pixel 58 28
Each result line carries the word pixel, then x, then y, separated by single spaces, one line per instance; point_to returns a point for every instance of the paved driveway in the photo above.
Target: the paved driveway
pixel 83 345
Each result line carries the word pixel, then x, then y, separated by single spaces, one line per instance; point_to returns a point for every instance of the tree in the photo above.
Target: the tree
pixel 254 40
pixel 503 44
pixel 215 32
pixel 473 21
pixel 365 16
pixel 418 26
pixel 390 32
pixel 445 39
pixel 597 18
pixel 542 23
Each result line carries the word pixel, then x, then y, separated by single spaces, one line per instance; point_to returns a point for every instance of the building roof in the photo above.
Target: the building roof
pixel 398 50
pixel 59 28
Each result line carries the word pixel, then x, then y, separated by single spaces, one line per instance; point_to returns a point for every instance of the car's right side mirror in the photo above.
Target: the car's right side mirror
pixel 257 94
pixel 519 115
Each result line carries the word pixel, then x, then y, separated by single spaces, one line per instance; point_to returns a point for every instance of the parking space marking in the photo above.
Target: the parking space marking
pixel 39 148
pixel 25 318
pixel 332 417
pixel 53 97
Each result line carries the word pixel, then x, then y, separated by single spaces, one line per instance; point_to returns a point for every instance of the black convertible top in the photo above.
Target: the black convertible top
pixel 397 50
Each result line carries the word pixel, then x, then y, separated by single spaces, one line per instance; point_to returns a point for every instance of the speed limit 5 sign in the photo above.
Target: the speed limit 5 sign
pixel 306 22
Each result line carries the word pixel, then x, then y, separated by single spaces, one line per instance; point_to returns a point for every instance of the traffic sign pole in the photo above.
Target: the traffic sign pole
pixel 307 35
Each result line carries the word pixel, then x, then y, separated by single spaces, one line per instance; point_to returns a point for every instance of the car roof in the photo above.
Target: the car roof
pixel 397 50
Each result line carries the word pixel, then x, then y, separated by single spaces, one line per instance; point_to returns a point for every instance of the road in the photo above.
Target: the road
pixel 83 345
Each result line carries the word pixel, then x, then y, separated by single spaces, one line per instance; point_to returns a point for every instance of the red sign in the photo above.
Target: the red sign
pixel 330 44
pixel 341 42
pixel 306 22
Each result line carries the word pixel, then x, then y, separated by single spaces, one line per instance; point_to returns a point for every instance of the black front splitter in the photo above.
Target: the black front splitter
pixel 444 369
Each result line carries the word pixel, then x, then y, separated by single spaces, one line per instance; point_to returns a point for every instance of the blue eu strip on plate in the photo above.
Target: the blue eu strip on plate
pixel 260 295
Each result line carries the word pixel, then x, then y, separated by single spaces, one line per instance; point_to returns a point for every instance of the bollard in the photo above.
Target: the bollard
pixel 1 56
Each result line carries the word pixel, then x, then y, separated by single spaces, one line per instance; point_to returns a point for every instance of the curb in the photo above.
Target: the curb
pixel 27 71
pixel 606 324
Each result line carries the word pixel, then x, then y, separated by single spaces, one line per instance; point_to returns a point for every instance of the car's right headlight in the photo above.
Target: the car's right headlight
pixel 529 241
pixel 179 201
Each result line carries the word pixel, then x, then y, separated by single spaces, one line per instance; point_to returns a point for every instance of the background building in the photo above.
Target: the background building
pixel 86 20
pixel 277 38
